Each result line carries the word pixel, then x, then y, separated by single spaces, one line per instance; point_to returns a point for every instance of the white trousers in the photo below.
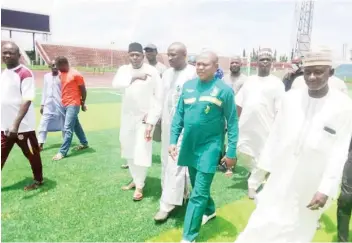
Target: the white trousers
pixel 257 176
pixel 43 134
pixel 174 184
pixel 256 179
pixel 175 187
pixel 138 174
pixel 166 207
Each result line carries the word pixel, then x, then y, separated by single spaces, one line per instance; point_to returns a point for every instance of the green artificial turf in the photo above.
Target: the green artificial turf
pixel 82 200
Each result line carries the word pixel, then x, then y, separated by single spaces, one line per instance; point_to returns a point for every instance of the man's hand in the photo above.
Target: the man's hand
pixel 83 107
pixel 230 163
pixel 12 133
pixel 140 77
pixel 148 132
pixel 318 201
pixel 173 151
pixel 41 109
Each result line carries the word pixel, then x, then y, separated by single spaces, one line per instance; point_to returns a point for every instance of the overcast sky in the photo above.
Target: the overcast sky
pixel 223 26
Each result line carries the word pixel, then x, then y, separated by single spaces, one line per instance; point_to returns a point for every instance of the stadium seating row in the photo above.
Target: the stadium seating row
pixel 100 57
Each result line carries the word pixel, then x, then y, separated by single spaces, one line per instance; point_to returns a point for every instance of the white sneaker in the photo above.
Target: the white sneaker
pixel 206 218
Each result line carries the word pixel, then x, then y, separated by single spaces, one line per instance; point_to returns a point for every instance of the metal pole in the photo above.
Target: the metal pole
pixel 112 54
pixel 33 41
pixel 111 58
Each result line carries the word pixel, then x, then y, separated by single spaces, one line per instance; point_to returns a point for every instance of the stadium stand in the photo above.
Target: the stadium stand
pixel 87 56
pixel 104 57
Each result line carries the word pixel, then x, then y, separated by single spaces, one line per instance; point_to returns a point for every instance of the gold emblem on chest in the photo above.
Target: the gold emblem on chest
pixel 207 109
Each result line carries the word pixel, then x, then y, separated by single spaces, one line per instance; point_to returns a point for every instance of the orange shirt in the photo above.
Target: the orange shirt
pixel 71 94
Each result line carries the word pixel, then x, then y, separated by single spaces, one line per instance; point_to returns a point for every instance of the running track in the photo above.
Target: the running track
pixel 92 80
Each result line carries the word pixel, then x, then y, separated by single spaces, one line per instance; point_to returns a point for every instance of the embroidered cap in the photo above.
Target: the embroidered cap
pixel 265 53
pixel 319 56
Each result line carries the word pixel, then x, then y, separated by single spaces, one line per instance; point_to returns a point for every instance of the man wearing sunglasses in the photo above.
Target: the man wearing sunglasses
pixel 52 110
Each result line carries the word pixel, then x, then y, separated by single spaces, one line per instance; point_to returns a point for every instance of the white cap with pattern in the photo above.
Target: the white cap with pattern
pixel 318 56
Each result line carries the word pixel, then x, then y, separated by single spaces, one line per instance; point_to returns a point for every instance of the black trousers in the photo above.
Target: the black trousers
pixel 344 202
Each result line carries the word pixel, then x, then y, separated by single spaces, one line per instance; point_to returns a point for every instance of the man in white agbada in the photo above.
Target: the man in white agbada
pixel 235 79
pixel 257 102
pixel 334 82
pixel 52 110
pixel 305 154
pixel 141 109
pixel 174 178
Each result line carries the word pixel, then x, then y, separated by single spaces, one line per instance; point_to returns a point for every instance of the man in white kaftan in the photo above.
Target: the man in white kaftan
pixel 257 101
pixel 141 109
pixel 334 82
pixel 305 154
pixel 52 110
pixel 174 178
pixel 235 79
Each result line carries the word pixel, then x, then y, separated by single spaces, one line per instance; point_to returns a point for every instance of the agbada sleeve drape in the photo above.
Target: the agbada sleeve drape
pixel 331 179
pixel 122 78
pixel 157 101
pixel 266 159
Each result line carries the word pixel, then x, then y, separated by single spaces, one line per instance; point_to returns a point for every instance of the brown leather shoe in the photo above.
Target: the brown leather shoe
pixel 130 186
pixel 33 186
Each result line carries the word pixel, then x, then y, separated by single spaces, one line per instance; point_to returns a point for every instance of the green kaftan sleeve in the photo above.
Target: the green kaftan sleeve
pixel 177 122
pixel 230 113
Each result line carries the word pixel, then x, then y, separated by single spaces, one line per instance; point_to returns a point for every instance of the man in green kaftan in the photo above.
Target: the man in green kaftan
pixel 205 104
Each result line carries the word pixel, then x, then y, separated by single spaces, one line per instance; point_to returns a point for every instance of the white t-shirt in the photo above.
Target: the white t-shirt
pixel 17 85
pixel 259 98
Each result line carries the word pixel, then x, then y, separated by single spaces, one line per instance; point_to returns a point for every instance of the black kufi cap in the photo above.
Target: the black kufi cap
pixel 135 47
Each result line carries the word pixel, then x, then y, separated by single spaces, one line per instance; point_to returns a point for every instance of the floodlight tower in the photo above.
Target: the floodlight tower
pixel 304 30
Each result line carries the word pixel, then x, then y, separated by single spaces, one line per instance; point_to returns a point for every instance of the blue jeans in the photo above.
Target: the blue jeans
pixel 72 125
